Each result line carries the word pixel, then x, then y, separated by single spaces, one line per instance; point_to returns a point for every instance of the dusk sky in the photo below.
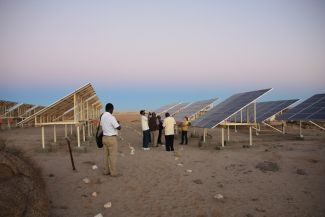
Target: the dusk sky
pixel 143 54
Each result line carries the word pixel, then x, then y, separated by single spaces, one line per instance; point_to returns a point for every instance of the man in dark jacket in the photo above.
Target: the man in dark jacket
pixel 153 127
pixel 160 127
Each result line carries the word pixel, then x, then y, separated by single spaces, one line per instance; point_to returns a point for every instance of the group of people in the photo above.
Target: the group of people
pixel 152 127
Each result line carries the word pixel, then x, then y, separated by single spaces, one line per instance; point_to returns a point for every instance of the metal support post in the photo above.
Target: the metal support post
pixel 54 132
pixel 250 136
pixel 83 133
pixel 300 131
pixel 204 134
pixel 43 138
pixel 222 137
pixel 78 135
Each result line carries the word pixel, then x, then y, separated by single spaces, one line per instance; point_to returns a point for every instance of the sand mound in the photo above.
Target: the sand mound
pixel 22 191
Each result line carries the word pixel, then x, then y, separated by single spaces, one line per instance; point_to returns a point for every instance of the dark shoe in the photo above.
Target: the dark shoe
pixel 107 174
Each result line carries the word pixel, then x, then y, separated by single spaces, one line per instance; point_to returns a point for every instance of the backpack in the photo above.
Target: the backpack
pixel 99 134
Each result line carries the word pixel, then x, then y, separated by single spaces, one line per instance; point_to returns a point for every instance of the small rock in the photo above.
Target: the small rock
pixel 176 154
pixel 94 167
pixel 51 175
pixel 313 161
pixel 99 215
pixel 218 196
pixel 189 171
pixel 260 210
pixel 94 194
pixel 108 205
pixel 301 172
pixel 180 164
pixel 176 158
pixel 267 166
pixel 86 180
pixel 198 181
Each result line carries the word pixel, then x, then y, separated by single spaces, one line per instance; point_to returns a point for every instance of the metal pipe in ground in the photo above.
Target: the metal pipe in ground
pixel 70 151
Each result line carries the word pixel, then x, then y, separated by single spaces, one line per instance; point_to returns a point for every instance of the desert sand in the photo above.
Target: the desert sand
pixel 279 175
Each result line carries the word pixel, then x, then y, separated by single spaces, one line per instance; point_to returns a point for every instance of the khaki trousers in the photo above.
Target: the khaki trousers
pixel 110 154
pixel 154 138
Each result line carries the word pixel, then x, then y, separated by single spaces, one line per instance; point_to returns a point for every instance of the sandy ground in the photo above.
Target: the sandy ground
pixel 156 182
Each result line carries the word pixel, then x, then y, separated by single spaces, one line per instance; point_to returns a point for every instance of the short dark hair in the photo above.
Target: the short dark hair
pixel 141 112
pixel 167 114
pixel 109 107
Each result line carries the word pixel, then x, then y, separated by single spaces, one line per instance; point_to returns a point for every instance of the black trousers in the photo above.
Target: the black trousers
pixel 169 142
pixel 159 137
pixel 184 137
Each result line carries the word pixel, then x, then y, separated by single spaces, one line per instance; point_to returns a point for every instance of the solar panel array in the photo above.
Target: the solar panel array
pixel 228 108
pixel 311 109
pixel 193 109
pixel 264 110
pixel 174 110
pixel 165 108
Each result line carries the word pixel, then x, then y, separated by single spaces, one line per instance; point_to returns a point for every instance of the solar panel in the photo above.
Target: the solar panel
pixel 177 108
pixel 264 110
pixel 227 108
pixel 165 108
pixel 192 109
pixel 311 109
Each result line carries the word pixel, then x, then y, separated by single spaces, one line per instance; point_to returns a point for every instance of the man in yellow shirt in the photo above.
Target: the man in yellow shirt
pixel 169 125
pixel 185 125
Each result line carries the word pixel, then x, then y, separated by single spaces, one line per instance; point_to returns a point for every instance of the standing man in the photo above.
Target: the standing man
pixel 110 126
pixel 160 127
pixel 185 124
pixel 145 130
pixel 169 125
pixel 153 127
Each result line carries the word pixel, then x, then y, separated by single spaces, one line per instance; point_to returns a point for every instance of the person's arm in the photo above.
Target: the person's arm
pixel 116 124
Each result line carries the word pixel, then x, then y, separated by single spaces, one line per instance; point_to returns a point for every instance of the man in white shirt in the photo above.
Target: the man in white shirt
pixel 145 130
pixel 169 125
pixel 110 126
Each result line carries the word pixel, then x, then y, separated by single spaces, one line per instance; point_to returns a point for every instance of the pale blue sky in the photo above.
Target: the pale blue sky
pixel 147 53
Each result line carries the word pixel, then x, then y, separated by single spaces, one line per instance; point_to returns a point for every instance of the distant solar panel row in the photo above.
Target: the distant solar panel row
pixel 228 108
pixel 177 108
pixel 193 108
pixel 165 108
pixel 311 109
pixel 264 110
